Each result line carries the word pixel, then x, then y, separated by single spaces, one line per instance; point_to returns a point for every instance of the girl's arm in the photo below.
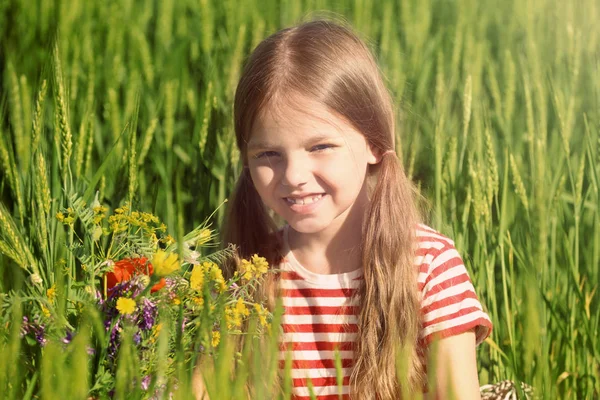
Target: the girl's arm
pixel 453 368
pixel 200 392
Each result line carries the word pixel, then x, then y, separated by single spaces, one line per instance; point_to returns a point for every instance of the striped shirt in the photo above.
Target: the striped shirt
pixel 320 314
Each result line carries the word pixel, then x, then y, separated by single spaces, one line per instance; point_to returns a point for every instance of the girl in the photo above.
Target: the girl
pixel 314 124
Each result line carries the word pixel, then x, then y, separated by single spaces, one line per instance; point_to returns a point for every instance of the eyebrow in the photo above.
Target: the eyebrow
pixel 264 144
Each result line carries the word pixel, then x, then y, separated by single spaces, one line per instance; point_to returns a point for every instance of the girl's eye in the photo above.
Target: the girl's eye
pixel 321 147
pixel 266 154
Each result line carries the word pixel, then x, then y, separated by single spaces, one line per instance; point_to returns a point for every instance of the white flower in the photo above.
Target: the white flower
pixel 35 279
pixel 96 202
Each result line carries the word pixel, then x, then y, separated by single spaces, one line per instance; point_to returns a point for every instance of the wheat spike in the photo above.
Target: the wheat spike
pixel 16 112
pixel 236 61
pixel 7 251
pixel 169 113
pixel 114 114
pixel 147 140
pixel 42 182
pixel 493 178
pixel 10 233
pixel 26 105
pixel 467 95
pixel 90 143
pixel 62 115
pixel 81 144
pixel 5 158
pixel 518 182
pixel 42 230
pixel 38 116
pixel 145 57
pixel 206 119
pixel 509 103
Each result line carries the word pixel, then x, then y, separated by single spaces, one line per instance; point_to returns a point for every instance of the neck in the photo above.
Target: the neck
pixel 335 249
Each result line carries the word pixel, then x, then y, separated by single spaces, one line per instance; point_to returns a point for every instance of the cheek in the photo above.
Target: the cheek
pixel 262 177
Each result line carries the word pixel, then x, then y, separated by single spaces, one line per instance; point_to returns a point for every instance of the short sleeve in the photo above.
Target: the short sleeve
pixel 449 304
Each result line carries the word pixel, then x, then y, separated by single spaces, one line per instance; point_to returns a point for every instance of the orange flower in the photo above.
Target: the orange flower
pixel 127 268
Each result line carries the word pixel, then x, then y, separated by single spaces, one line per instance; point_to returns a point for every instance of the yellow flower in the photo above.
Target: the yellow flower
pixel 60 216
pixel 262 314
pixel 197 277
pixel 234 314
pixel 168 240
pixel 199 300
pixel 125 305
pixel 216 338
pixel 246 270
pixel 255 268
pixel 45 311
pixel 51 293
pixel 204 237
pixel 241 308
pixel 217 276
pixel 155 331
pixel 176 301
pixel 260 264
pixel 165 263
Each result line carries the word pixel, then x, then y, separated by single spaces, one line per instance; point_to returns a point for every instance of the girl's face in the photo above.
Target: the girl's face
pixel 309 167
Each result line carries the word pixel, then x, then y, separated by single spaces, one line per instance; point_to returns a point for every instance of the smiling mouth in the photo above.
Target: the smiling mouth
pixel 304 200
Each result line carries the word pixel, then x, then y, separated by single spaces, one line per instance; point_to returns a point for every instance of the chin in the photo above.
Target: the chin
pixel 308 225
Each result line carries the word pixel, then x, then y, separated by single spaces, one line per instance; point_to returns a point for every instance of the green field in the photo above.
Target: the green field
pixel 498 107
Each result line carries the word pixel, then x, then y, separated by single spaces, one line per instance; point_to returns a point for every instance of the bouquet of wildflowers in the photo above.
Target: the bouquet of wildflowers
pixel 137 282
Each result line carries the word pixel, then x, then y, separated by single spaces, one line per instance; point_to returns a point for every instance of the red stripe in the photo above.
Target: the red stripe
pixel 329 381
pixel 460 313
pixel 447 284
pixel 320 346
pixel 440 269
pixel 426 229
pixel 321 310
pixel 322 397
pixel 434 239
pixel 310 292
pixel 436 305
pixel 320 328
pixel 309 364
pixel 456 330
pixel 291 276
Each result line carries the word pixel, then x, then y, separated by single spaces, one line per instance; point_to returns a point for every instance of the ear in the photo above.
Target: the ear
pixel 373 155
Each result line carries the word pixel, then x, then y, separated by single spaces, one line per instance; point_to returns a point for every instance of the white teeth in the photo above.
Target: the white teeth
pixel 305 200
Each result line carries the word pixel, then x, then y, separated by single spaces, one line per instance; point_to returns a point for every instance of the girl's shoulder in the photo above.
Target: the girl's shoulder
pixel 429 238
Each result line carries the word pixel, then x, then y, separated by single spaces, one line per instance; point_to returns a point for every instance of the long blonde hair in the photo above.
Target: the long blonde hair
pixel 327 62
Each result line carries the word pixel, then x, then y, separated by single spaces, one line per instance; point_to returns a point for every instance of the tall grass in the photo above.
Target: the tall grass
pixel 498 119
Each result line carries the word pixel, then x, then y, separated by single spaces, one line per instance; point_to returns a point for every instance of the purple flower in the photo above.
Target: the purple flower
pixel 146 382
pixel 148 316
pixel 67 339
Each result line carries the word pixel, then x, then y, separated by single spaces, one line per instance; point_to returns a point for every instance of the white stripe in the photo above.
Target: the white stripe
pixel 317 301
pixel 429 245
pixel 316 355
pixel 317 337
pixel 434 234
pixel 302 284
pixel 319 319
pixel 452 323
pixel 451 309
pixel 424 259
pixel 321 390
pixel 451 291
pixel 318 373
pixel 443 277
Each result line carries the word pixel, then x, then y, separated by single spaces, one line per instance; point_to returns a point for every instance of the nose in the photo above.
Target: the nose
pixel 296 171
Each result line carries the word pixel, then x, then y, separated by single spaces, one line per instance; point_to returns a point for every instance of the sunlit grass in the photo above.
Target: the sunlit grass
pixel 498 121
